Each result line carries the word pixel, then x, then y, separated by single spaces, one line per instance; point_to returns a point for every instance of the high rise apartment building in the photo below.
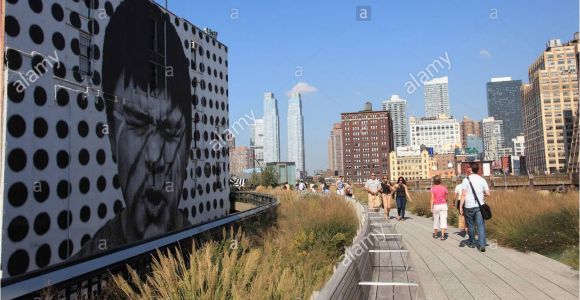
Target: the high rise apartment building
pixel 549 107
pixel 437 97
pixel 398 110
pixel 335 162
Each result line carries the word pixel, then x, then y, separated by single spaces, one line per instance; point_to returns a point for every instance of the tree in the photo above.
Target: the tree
pixel 269 177
pixel 254 179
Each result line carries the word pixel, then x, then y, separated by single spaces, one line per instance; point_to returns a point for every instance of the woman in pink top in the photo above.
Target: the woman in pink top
pixel 439 207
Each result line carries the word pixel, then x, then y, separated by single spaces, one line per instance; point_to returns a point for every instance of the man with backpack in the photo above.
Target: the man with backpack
pixel 475 188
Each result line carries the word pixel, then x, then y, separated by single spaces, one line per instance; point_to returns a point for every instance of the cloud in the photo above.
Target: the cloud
pixel 484 53
pixel 302 88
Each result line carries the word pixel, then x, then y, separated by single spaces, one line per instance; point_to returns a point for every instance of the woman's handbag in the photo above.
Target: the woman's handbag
pixel 484 209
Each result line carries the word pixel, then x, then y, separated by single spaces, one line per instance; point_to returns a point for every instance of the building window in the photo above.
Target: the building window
pixel 85 54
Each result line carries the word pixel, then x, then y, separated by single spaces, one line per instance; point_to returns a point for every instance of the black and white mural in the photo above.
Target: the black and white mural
pixel 113 111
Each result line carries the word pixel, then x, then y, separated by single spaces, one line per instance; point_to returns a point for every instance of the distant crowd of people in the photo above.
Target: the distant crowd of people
pixel 469 197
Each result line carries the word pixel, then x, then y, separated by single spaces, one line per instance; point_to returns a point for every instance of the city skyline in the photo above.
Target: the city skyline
pixel 483 40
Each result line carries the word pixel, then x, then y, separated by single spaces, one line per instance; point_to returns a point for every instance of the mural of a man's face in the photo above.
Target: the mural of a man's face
pixel 149 143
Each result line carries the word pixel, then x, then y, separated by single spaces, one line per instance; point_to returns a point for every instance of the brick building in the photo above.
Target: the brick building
pixel 367 142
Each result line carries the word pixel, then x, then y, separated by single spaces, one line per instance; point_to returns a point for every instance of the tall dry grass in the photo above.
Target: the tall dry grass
pixel 290 262
pixel 527 220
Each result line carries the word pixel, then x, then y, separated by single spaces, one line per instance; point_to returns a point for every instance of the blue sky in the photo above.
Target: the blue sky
pixel 350 62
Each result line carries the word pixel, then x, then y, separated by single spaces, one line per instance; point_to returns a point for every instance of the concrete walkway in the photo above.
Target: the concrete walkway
pixel 446 271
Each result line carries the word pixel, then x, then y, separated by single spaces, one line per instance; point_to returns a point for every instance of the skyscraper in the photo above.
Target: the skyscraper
pixel 504 103
pixel 398 110
pixel 493 139
pixel 335 162
pixel 271 129
pixel 549 106
pixel 296 134
pixel 437 97
pixel 257 142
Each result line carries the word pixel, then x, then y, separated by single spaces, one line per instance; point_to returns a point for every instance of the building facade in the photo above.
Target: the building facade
pixel 549 106
pixel 398 110
pixel 367 142
pixel 469 127
pixel 257 143
pixel 241 158
pixel 437 97
pixel 443 135
pixel 493 139
pixel 474 144
pixel 519 144
pixel 504 103
pixel 573 166
pixel 93 118
pixel 335 153
pixel 296 134
pixel 271 129
pixel 411 163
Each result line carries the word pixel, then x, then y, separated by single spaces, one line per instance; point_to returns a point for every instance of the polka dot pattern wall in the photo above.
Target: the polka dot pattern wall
pixel 62 183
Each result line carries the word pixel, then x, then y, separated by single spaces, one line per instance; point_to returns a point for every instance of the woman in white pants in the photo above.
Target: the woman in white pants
pixel 439 195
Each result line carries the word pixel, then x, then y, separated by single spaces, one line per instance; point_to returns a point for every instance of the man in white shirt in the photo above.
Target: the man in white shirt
pixel 373 186
pixel 301 186
pixel 461 221
pixel 471 212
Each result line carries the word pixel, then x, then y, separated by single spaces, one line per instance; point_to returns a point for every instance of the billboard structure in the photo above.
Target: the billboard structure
pixel 115 125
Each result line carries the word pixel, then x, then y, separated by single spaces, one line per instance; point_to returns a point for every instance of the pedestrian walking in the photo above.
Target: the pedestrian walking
pixel 348 190
pixel 340 186
pixel 439 195
pixel 372 186
pixel 302 186
pixel 475 188
pixel 325 188
pixel 460 219
pixel 401 197
pixel 386 195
